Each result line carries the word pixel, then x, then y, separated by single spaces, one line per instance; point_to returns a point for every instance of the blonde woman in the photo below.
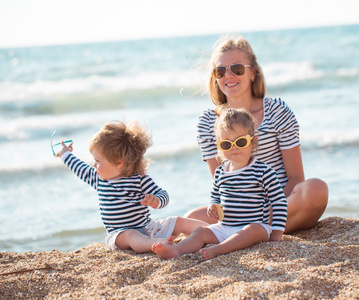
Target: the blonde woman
pixel 236 81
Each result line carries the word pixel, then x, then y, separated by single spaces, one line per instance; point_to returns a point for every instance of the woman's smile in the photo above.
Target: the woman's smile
pixel 231 85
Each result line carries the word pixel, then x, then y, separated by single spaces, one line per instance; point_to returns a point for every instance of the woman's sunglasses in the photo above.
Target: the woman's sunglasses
pixel 236 69
pixel 52 146
pixel 241 142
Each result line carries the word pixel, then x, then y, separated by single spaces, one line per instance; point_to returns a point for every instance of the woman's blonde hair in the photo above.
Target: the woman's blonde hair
pixel 231 117
pixel 224 44
pixel 117 141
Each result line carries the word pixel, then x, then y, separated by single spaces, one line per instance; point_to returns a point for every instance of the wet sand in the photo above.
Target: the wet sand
pixel 320 263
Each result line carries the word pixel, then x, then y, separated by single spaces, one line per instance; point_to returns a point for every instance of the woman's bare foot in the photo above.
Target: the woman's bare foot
pixel 209 252
pixel 165 250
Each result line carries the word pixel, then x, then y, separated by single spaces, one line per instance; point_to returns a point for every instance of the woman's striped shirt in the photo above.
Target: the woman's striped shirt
pixel 119 199
pixel 246 195
pixel 278 131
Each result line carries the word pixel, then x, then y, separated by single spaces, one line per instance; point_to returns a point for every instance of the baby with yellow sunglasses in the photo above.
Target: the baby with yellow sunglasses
pixel 245 187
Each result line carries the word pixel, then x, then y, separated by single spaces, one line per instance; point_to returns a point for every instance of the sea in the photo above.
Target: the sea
pixel 75 89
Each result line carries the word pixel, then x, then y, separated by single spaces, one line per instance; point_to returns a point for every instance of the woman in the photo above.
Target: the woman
pixel 237 81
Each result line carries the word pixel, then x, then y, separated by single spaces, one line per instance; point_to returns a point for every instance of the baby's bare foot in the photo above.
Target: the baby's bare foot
pixel 169 240
pixel 209 252
pixel 165 250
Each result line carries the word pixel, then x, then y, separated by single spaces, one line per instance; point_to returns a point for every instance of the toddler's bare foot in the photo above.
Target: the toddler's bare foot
pixel 165 250
pixel 209 252
pixel 169 240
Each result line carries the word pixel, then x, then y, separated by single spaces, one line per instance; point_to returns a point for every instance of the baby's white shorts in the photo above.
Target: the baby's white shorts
pixel 162 228
pixel 223 232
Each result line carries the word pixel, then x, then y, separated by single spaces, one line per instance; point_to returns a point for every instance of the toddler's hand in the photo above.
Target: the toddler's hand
pixel 212 211
pixel 64 149
pixel 151 200
pixel 276 236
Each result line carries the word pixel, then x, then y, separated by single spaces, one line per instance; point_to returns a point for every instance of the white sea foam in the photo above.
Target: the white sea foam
pixel 330 138
pixel 41 89
pixel 282 73
pixel 348 72
pixel 277 74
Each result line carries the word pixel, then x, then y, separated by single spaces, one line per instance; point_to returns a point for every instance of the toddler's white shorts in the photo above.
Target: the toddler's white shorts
pixel 162 228
pixel 223 232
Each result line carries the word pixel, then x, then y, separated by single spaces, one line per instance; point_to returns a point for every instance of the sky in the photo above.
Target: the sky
pixel 53 22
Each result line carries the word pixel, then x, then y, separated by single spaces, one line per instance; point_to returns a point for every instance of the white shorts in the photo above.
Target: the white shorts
pixel 162 228
pixel 223 232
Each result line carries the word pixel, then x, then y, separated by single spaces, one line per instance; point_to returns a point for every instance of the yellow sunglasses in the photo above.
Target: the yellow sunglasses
pixel 240 142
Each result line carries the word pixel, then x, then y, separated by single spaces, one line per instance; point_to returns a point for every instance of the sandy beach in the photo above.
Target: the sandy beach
pixel 320 263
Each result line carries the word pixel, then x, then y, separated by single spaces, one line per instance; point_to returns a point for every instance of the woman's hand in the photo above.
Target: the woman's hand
pixel 212 211
pixel 151 200
pixel 64 149
pixel 293 165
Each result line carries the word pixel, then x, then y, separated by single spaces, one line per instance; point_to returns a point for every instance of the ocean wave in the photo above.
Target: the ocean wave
pixel 330 139
pixel 284 73
pixel 41 89
pixel 42 127
pixel 44 164
pixel 348 72
pixel 16 95
pixel 65 240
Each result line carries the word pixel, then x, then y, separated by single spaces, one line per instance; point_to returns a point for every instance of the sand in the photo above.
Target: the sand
pixel 320 263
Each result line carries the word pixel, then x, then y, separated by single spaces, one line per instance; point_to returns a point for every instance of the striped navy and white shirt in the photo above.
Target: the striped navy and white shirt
pixel 278 131
pixel 119 199
pixel 246 195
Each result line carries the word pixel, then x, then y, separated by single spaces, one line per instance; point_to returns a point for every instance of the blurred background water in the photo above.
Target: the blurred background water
pixel 75 89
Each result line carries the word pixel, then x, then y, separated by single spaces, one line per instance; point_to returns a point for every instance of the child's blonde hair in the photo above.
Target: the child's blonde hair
pixel 224 44
pixel 117 141
pixel 230 117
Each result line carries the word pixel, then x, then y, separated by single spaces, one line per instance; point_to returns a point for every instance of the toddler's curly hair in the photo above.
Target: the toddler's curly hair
pixel 117 141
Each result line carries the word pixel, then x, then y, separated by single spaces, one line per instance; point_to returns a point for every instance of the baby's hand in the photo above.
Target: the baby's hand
pixel 276 236
pixel 151 200
pixel 64 149
pixel 212 211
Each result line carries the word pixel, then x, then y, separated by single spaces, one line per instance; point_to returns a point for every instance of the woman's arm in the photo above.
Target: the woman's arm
pixel 293 164
pixel 212 163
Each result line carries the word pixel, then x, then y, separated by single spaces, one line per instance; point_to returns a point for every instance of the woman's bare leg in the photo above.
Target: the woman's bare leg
pixel 306 204
pixel 200 213
pixel 187 225
pixel 248 236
